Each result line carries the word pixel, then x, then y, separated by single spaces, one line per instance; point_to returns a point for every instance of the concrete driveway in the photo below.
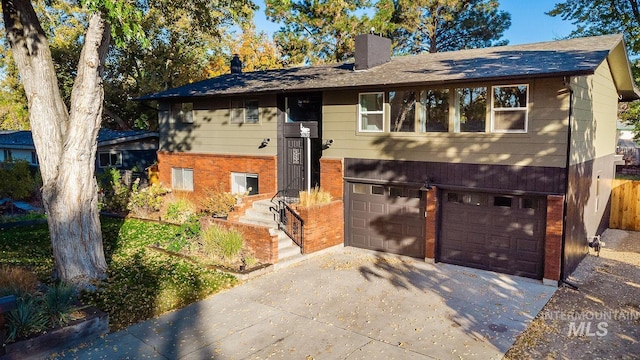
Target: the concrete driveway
pixel 343 304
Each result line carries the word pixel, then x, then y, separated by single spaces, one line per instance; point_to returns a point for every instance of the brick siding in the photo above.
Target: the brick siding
pixel 431 231
pixel 323 226
pixel 553 238
pixel 331 177
pixel 258 239
pixel 211 170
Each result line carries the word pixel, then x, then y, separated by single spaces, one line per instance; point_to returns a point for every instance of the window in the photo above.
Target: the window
pixel 471 109
pixel 112 159
pixel 360 188
pixel 434 116
pixel 377 190
pixel 509 108
pixel 304 107
pixel 185 113
pixel 242 183
pixel 7 155
pixel 403 111
pixel 34 158
pixel 371 112
pixel 182 179
pixel 502 201
pixel 245 111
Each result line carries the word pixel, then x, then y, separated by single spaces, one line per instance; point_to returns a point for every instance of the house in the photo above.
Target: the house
pixel 118 149
pixel 497 158
pixel 626 146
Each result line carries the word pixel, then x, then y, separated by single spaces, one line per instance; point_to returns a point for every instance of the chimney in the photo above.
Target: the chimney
pixel 371 50
pixel 236 64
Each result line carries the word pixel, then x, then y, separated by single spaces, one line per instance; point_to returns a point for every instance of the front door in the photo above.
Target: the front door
pixel 295 166
pixel 301 143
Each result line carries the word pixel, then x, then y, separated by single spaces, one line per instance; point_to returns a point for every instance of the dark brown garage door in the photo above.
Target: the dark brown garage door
pixel 386 218
pixel 501 233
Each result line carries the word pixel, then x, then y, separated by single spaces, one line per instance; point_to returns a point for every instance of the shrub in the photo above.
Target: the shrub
pixel 27 319
pixel 179 210
pixel 219 242
pixel 146 200
pixel 18 182
pixel 59 303
pixel 114 192
pixel 17 281
pixel 218 203
pixel 316 196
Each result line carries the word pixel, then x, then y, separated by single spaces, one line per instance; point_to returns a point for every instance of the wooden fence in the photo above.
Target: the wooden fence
pixel 625 205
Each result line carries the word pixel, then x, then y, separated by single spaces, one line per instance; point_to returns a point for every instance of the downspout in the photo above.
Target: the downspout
pixel 567 83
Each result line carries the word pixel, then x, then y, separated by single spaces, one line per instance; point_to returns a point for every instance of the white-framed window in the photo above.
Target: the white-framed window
pixel 182 179
pixel 244 183
pixel 509 104
pixel 371 112
pixel 434 114
pixel 112 159
pixel 183 112
pixel 403 111
pixel 470 109
pixel 245 111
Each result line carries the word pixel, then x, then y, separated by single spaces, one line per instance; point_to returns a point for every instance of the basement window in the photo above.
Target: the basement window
pixel 244 183
pixel 182 179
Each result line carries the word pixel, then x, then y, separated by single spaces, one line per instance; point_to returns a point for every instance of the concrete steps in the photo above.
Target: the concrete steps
pixel 260 214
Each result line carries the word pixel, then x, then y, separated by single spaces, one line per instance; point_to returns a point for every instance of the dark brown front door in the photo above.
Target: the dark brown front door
pixel 386 218
pixel 502 233
pixel 295 168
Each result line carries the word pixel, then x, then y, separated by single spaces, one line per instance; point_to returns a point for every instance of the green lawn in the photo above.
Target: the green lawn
pixel 141 283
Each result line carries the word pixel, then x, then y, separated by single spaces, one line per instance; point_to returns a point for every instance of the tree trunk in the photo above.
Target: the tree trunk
pixel 65 141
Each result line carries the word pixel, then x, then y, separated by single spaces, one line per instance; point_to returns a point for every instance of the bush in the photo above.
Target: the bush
pixel 316 196
pixel 17 281
pixel 180 210
pixel 218 203
pixel 114 192
pixel 219 242
pixel 18 182
pixel 147 200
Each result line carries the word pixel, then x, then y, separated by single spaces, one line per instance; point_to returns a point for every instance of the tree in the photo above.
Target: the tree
pixel 447 25
pixel 317 31
pixel 255 49
pixel 601 17
pixel 65 137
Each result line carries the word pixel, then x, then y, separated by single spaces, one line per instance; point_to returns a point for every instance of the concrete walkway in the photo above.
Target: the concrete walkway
pixel 344 304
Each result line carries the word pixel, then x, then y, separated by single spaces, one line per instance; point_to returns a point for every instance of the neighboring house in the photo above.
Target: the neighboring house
pixel 497 158
pixel 626 146
pixel 119 149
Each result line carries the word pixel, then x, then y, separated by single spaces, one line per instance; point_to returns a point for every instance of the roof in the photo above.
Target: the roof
pixel 580 56
pixel 22 139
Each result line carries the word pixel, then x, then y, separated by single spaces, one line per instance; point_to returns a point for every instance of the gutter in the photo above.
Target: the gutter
pixel 567 81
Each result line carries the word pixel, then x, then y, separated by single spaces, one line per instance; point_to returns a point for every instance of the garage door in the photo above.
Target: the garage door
pixel 386 218
pixel 502 233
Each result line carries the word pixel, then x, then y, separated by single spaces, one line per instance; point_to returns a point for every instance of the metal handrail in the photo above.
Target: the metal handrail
pixel 291 223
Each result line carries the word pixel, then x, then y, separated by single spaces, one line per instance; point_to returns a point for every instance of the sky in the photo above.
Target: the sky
pixel 529 23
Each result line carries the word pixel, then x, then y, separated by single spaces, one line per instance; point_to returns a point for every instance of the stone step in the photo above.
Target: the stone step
pixel 260 222
pixel 287 252
pixel 291 260
pixel 263 205
pixel 257 214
